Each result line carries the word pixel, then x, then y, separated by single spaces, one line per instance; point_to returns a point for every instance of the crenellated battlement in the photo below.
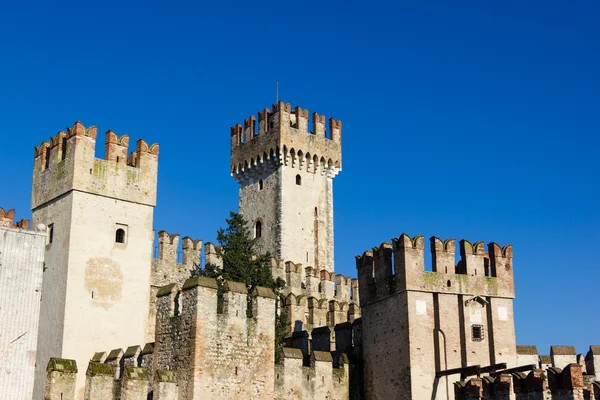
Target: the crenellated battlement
pixel 122 375
pixel 211 255
pixel 282 137
pixel 314 282
pixel 399 266
pixel 307 356
pixel 315 296
pixel 193 333
pixel 550 384
pixel 560 357
pixel 67 162
pixel 310 281
pixel 172 264
pixel 326 375
pixel 7 220
pixel 189 299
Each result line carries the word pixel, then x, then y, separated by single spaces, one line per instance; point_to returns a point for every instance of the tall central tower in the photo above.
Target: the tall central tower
pixel 285 174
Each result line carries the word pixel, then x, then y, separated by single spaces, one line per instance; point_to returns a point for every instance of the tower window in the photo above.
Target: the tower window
pixel 477 333
pixel 50 233
pixel 316 212
pixel 258 229
pixel 63 155
pixel 120 235
pixel 47 160
pixel 298 180
pixel 260 185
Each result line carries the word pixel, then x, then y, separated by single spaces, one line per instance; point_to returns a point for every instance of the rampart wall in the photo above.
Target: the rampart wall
pixel 316 297
pixel 171 265
pixel 560 357
pixel 322 378
pixel 552 384
pixel 204 352
pixel 229 353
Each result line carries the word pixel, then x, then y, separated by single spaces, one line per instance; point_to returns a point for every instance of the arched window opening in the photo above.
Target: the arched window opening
pixel 120 236
pixel 258 229
pixel 298 180
pixel 260 185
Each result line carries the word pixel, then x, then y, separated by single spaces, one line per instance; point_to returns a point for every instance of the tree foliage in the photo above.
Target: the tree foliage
pixel 242 264
pixel 240 261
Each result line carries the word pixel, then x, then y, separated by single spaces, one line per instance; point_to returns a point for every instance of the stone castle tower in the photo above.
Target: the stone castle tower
pixel 416 323
pixel 99 244
pixel 285 174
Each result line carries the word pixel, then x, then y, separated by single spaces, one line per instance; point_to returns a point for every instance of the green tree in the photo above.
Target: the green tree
pixel 241 263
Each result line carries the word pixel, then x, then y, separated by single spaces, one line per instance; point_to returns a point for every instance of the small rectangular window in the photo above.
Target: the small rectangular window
pixel 477 333
pixel 50 233
pixel 47 158
pixel 63 153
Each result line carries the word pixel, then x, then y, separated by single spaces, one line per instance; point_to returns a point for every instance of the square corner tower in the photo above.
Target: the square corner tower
pixel 96 282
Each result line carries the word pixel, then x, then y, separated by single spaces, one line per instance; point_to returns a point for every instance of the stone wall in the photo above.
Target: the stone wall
pixel 560 357
pixel 61 376
pixel 319 379
pixel 103 383
pixel 201 353
pixel 228 354
pixel 563 356
pixel 314 367
pixel 315 297
pixel 21 269
pixel 171 266
pixel 527 355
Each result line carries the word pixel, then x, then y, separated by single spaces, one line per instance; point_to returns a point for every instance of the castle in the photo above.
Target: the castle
pixel 116 322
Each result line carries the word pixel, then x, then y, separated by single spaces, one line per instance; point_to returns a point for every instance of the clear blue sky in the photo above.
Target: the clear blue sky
pixel 461 119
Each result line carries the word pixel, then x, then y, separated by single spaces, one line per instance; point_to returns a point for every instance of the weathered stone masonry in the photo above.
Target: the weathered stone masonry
pixel 201 353
pixel 416 323
pixel 99 215
pixel 285 173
